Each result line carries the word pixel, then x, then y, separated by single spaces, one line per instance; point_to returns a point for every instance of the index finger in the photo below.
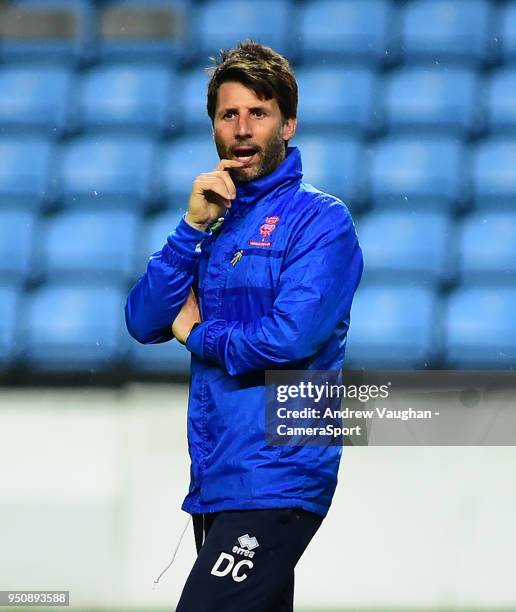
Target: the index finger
pixel 229 163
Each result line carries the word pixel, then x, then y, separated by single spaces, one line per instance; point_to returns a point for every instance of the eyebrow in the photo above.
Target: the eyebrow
pixel 235 110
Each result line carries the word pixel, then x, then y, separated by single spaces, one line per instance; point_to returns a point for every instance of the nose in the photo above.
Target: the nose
pixel 242 127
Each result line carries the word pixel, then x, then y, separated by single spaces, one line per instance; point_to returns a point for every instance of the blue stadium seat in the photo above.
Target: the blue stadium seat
pixel 494 178
pixel 392 327
pixel 222 23
pixel 336 97
pixel 444 30
pixel 408 172
pixel 337 29
pixel 501 101
pixel 34 98
pixel 146 29
pixel 508 32
pixel 16 243
pixel 10 304
pixel 431 98
pixel 191 98
pixel 127 96
pixel 88 245
pixel 480 328
pixel 106 171
pixel 167 358
pixel 399 245
pixel 332 164
pixel 74 327
pixel 180 162
pixel 53 29
pixel 487 247
pixel 24 171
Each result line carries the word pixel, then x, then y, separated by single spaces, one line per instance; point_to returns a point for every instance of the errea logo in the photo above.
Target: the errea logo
pixel 247 544
pixel 225 564
pixel 246 541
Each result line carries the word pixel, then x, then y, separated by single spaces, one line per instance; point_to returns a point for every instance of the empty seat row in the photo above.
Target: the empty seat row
pixel 63 327
pixel 132 172
pixel 152 98
pixel 70 327
pixel 371 30
pixel 74 327
pixel 54 100
pixel 428 248
pixel 95 245
pixel 400 326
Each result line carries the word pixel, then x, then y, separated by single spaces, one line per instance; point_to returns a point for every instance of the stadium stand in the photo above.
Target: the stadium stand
pixel 48 30
pixel 426 171
pixel 508 31
pixel 10 303
pixel 35 98
pixel 79 244
pixel 487 247
pixel 347 103
pixel 24 184
pixel 480 328
pixel 73 327
pixel 393 324
pixel 429 98
pixel 17 240
pixel 501 101
pixel 145 29
pixel 494 179
pixel 106 171
pixel 267 21
pixel 447 31
pixel 345 30
pixel 137 97
pixel 192 101
pixel 408 246
pixel 406 112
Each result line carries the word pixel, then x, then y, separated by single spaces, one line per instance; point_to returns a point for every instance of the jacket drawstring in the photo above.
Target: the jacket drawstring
pixel 175 551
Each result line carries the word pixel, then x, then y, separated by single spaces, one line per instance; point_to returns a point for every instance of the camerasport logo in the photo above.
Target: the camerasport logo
pixel 265 231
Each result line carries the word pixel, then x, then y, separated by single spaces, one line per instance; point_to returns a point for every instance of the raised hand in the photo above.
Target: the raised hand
pixel 211 195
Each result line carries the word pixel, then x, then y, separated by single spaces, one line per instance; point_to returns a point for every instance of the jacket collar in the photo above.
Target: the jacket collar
pixel 284 176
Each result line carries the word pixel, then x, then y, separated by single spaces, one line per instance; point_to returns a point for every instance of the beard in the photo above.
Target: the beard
pixel 269 158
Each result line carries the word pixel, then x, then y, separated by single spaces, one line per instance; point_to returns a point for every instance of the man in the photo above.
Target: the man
pixel 269 287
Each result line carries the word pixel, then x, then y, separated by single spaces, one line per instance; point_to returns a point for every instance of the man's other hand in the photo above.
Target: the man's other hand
pixel 188 315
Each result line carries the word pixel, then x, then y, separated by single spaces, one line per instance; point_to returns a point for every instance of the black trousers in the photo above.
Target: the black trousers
pixel 246 560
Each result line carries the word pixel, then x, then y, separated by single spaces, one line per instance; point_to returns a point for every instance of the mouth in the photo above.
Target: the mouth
pixel 245 154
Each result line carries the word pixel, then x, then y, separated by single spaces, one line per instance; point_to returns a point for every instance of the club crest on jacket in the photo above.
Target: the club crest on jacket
pixel 265 231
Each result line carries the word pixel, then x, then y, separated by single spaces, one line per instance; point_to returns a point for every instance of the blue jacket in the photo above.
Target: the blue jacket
pixel 275 287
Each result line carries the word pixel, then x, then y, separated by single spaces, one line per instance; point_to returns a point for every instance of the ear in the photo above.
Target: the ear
pixel 289 128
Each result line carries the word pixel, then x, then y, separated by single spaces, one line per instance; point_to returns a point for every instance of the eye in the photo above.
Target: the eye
pixel 228 115
pixel 258 112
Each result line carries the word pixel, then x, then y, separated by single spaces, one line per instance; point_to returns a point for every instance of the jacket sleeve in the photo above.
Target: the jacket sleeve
pixel 321 273
pixel 156 299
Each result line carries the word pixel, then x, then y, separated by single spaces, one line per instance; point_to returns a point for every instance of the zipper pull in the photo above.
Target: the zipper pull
pixel 237 256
